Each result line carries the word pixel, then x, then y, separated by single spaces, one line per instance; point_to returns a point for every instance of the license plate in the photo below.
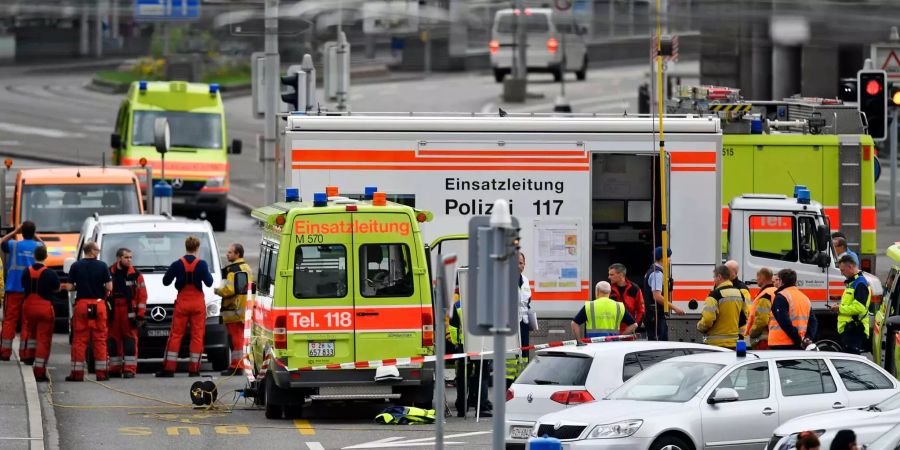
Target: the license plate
pixel 321 349
pixel 519 432
pixel 157 333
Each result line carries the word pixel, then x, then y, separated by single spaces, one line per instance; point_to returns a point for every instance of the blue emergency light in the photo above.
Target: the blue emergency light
pixel 292 195
pixel 320 199
pixel 142 86
pixel 370 192
pixel 741 349
pixel 798 188
pixel 213 88
pixel 803 197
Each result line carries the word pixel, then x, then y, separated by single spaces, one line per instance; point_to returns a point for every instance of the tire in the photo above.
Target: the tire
pixel 218 219
pixel 581 74
pixel 273 411
pixel 557 75
pixel 499 75
pixel 670 443
pixel 221 361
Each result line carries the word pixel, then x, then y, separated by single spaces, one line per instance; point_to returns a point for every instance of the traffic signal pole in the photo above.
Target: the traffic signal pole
pixel 273 100
pixel 892 136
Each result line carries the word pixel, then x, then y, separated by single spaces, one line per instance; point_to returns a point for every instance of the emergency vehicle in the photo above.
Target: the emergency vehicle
pixel 197 162
pixel 341 280
pixel 884 332
pixel 58 200
pixel 771 146
pixel 586 191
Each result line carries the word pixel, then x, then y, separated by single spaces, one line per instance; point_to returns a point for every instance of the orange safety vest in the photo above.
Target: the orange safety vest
pixel 753 307
pixel 799 307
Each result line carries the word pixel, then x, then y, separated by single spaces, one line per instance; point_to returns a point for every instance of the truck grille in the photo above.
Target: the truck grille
pixel 564 432
pixel 154 313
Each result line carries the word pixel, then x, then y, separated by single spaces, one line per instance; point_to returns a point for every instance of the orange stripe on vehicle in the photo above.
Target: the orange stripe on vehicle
pixel 180 165
pixel 693 168
pixel 579 296
pixel 583 283
pixel 409 156
pixel 683 295
pixel 579 168
pixel 501 152
pixel 693 283
pixel 692 157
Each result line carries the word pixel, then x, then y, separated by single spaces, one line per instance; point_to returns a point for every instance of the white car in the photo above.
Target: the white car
pixel 890 440
pixel 560 378
pixel 712 401
pixel 868 422
pixel 548 34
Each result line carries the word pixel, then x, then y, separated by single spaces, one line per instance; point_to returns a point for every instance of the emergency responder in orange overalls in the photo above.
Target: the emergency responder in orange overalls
pixel 20 255
pixel 129 304
pixel 40 284
pixel 235 280
pixel 189 273
pixel 89 278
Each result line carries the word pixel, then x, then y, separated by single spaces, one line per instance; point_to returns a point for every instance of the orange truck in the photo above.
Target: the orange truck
pixel 58 200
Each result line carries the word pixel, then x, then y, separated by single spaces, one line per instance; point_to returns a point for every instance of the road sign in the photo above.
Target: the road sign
pixel 166 10
pixel 886 57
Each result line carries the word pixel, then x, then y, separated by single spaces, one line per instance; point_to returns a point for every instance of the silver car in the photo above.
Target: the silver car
pixel 713 401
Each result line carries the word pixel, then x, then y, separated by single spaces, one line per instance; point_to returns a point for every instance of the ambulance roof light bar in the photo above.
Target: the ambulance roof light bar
pixel 369 192
pixel 142 86
pixel 292 194
pixel 320 199
pixel 379 199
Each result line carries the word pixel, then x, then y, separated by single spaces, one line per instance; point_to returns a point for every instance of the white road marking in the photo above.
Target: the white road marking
pixel 398 442
pixel 36 131
pixel 314 446
pixel 98 128
pixel 10 143
pixel 489 107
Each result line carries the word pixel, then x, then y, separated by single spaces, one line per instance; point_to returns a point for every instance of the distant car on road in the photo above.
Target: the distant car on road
pixel 548 34
pixel 560 378
pixel 714 401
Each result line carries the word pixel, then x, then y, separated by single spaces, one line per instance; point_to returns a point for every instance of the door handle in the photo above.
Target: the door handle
pixel 837 405
pixel 363 314
pixel 768 411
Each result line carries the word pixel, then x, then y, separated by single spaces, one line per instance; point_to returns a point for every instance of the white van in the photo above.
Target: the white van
pixel 548 34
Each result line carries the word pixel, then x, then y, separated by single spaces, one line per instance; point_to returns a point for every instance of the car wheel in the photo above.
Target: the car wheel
pixel 499 75
pixel 581 74
pixel 293 410
pixel 670 443
pixel 273 411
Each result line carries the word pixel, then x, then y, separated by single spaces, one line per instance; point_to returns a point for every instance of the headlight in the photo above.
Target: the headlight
pixel 215 182
pixel 213 308
pixel 621 429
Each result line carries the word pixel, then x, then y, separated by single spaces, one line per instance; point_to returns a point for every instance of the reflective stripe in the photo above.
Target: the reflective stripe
pixel 31 344
pixel 40 362
pixel 13 258
pixel 131 315
pixel 764 310
pixel 724 300
pixel 100 365
pixel 730 336
pixel 195 357
pixel 78 366
pixel 6 343
pixel 710 309
pixel 130 360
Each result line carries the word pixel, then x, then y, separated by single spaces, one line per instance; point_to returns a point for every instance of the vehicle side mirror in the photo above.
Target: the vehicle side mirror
pixel 115 141
pixel 236 147
pixel 723 395
pixel 161 135
pixel 823 260
pixel 824 238
pixel 67 264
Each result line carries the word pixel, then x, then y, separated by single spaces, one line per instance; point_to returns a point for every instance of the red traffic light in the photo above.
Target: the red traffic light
pixel 873 87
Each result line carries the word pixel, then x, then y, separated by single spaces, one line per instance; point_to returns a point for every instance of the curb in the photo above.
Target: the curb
pixel 33 403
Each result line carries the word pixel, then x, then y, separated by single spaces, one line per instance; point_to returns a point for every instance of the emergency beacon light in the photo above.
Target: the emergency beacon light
pixel 320 199
pixel 292 195
pixel 370 192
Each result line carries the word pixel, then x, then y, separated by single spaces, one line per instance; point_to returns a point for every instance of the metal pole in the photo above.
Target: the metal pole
pixel 273 100
pixel 427 51
pixel 521 69
pixel 499 393
pixel 892 135
pixel 439 385
pixel 98 31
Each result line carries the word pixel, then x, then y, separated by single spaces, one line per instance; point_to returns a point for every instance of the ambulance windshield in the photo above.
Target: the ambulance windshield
pixel 189 130
pixel 153 251
pixel 62 208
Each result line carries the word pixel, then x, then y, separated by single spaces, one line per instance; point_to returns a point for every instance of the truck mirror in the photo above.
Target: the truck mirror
pixel 823 260
pixel 824 238
pixel 161 135
pixel 115 141
pixel 236 147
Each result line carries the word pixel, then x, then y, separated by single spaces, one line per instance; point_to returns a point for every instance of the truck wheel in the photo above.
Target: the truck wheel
pixel 273 411
pixel 217 219
pixel 293 410
pixel 499 75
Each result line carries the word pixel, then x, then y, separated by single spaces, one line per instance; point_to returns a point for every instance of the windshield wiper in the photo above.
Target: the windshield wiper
pixel 545 382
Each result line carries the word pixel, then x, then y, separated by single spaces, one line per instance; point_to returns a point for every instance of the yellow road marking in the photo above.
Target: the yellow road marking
pixel 304 427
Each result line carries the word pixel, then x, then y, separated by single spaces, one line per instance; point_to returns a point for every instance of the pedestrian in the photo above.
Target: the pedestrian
pixel 469 373
pixel 852 320
pixel 189 273
pixel 844 440
pixel 735 270
pixel 20 255
pixel 626 292
pixel 89 278
pixel 129 307
pixel 515 366
pixel 40 284
pixel 841 249
pixel 722 311
pixel 791 327
pixel 654 299
pixel 235 282
pixel 602 316
pixel 807 440
pixel 757 331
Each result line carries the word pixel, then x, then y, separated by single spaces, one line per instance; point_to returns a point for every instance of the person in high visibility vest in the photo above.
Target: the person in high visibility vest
pixel 467 372
pixel 20 255
pixel 602 316
pixel 734 268
pixel 723 311
pixel 791 326
pixel 189 273
pixel 129 306
pixel 235 280
pixel 40 284
pixel 852 320
pixel 757 330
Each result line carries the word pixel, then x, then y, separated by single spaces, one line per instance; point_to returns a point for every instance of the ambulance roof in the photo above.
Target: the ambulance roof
pixel 771 202
pixel 334 205
pixel 174 96
pixel 78 175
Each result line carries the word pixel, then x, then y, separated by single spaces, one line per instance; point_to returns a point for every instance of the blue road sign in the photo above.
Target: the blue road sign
pixel 166 10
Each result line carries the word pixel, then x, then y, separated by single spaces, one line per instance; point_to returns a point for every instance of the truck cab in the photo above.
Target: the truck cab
pixel 341 280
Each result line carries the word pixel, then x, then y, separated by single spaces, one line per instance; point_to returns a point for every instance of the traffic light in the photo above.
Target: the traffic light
pixel 894 100
pixel 292 82
pixel 872 96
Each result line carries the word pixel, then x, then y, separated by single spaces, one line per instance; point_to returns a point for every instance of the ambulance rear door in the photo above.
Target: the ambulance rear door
pixel 320 298
pixel 389 305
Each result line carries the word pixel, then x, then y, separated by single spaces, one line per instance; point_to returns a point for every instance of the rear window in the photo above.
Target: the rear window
pixel 320 271
pixel 535 23
pixel 557 369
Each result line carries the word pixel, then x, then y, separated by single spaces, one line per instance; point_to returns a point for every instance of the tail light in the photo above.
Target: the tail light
pixel 494 45
pixel 427 329
pixel 280 332
pixel 571 397
pixel 510 394
pixel 552 45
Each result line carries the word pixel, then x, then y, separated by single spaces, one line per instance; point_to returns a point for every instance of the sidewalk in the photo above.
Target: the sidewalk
pixel 20 407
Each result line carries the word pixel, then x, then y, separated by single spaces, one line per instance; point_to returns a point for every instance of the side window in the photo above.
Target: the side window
pixel 859 376
pixel 638 361
pixel 385 270
pixel 772 237
pixel 751 381
pixel 804 377
pixel 630 366
pixel 320 271
pixel 808 247
pixel 265 278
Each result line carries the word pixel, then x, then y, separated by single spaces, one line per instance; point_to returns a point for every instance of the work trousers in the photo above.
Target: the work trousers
pixel 190 309
pixel 123 339
pixel 40 319
pixel 655 323
pixel 236 332
pixel 89 330
pixel 12 318
pixel 467 373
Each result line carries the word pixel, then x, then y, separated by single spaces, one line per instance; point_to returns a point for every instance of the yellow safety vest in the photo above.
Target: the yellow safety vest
pixel 233 303
pixel 603 316
pixel 850 308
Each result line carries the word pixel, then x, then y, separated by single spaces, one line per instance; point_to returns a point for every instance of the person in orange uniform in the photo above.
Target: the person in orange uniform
pixel 40 284
pixel 791 326
pixel 19 256
pixel 189 273
pixel 129 303
pixel 89 278
pixel 623 290
pixel 757 330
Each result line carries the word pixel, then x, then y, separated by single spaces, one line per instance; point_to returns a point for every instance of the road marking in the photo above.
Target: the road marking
pixel 10 143
pixel 489 107
pixel 398 442
pixel 304 427
pixel 36 131
pixel 176 431
pixel 314 446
